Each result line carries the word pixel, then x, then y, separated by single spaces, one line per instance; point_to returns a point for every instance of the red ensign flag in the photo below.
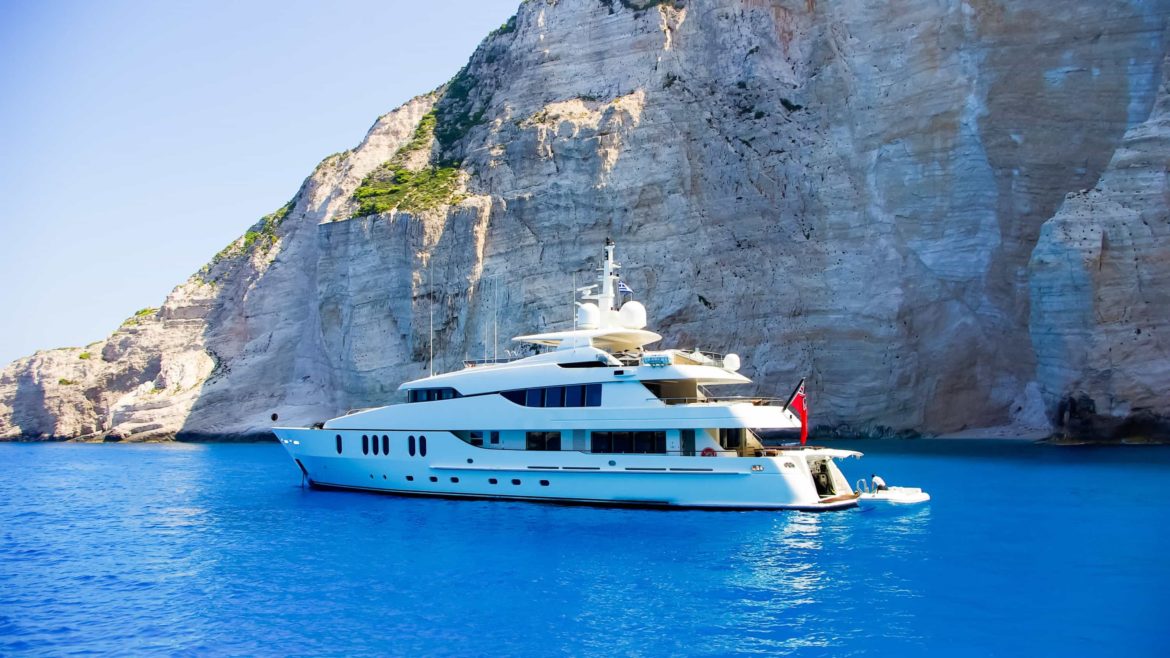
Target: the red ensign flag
pixel 800 405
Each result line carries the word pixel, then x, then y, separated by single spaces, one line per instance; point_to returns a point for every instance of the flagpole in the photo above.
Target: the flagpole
pixel 793 396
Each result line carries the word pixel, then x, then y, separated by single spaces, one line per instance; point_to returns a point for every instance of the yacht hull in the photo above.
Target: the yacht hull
pixel 443 465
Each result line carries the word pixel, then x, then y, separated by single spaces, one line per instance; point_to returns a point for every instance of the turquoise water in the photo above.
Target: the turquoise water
pixel 215 549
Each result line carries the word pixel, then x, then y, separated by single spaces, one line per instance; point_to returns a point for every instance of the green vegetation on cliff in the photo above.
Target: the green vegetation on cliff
pixel 392 186
pixel 262 233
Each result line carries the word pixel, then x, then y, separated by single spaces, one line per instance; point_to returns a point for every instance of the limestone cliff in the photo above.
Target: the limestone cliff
pixel 1100 279
pixel 851 191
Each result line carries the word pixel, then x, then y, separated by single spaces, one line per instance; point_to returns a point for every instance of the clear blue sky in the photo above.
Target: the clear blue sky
pixel 139 138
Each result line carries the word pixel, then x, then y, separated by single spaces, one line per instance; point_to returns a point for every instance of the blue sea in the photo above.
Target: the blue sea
pixel 1025 550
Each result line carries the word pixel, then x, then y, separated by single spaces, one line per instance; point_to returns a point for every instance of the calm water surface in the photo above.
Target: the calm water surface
pixel 215 549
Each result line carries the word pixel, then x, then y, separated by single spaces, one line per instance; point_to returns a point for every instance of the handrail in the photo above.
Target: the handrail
pixel 472 363
pixel 756 401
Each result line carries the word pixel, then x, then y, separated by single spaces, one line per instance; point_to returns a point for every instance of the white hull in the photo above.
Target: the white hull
pixel 453 468
pixel 895 496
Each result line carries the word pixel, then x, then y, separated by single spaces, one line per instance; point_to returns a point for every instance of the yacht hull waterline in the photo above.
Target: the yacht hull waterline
pixel 597 420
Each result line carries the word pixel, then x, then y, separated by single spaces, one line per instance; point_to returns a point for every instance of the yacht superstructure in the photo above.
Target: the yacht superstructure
pixel 597 418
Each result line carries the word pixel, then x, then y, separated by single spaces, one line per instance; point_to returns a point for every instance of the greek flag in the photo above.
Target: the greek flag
pixel 622 287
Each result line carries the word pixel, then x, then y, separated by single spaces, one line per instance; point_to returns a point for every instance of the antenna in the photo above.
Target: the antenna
pixel 496 318
pixel 431 318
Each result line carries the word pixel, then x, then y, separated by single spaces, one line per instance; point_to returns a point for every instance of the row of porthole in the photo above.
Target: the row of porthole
pixel 366 444
pixel 455 480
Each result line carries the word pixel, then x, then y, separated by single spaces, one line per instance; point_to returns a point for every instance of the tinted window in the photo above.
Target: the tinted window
pixel 543 440
pixel 385 445
pixel 623 442
pixel 365 444
pixel 574 396
pixel 375 445
pixel 410 445
pixel 731 438
pixel 514 396
pixel 602 442
pixel 554 396
pixel 649 442
pixel 339 444
pixel 495 437
pixel 593 395
pixel 535 397
pixel 422 446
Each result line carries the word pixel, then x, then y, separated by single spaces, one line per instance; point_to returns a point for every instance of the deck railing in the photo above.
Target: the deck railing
pixel 735 399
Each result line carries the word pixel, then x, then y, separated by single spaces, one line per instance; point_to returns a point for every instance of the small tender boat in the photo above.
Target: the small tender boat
pixel 890 495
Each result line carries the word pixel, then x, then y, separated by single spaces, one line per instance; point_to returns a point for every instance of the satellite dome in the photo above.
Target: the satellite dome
pixel 588 316
pixel 731 362
pixel 632 315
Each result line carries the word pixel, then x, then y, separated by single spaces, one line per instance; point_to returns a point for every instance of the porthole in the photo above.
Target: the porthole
pixel 375 444
pixel 422 446
pixel 493 481
pixel 383 476
pixel 454 480
pixel 434 479
pixel 544 483
pixel 365 444
pixel 339 444
pixel 515 481
pixel 385 445
pixel 470 460
pixel 410 478
pixel 410 445
pixel 612 463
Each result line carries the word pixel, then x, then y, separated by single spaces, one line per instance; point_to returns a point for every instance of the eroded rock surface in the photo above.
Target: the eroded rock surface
pixel 850 191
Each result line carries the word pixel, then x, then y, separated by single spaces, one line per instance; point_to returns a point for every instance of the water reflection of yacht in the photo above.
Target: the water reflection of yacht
pixel 598 418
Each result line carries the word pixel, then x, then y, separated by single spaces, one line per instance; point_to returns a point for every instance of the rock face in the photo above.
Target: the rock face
pixel 1100 279
pixel 853 191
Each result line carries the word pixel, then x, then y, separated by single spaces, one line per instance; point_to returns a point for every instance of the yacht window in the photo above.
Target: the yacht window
pixel 385 445
pixel 687 440
pixel 535 397
pixel 432 394
pixel 422 446
pixel 554 396
pixel 574 396
pixel 593 395
pixel 475 438
pixel 650 442
pixel 492 481
pixel 516 397
pixel 496 438
pixel 339 444
pixel 623 442
pixel 731 438
pixel 544 440
pixel 365 444
pixel 602 442
pixel 410 445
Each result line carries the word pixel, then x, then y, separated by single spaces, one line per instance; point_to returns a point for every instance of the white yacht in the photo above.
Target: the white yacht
pixel 598 418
